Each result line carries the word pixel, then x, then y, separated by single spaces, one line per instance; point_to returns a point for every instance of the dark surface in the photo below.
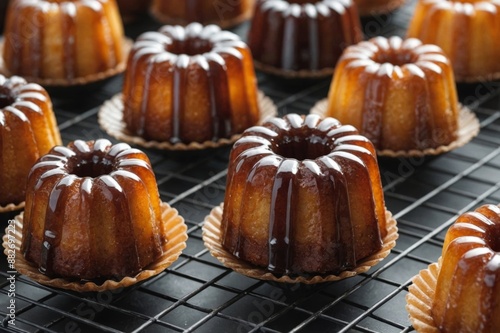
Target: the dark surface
pixel 197 294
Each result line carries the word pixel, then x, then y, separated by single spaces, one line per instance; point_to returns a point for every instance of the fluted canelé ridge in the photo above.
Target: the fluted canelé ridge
pixel 190 84
pixel 467 297
pixel 468 32
pixel 92 211
pixel 52 39
pixel 28 129
pixel 400 94
pixel 303 196
pixel 303 35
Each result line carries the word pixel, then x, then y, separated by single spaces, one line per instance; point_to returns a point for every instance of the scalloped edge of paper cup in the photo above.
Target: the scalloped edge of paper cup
pixel 212 239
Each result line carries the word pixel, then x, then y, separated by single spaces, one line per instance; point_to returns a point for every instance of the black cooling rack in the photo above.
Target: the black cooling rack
pixel 197 294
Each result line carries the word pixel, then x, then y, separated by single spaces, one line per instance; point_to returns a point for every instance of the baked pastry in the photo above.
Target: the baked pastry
pixel 68 39
pixel 377 7
pixel 28 129
pixel 467 31
pixel 467 297
pixel 303 196
pixel 399 93
pixel 224 13
pixel 302 35
pixel 92 211
pixel 190 84
pixel 131 9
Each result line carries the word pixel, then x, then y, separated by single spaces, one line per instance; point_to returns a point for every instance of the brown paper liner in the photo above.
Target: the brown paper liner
pixel 110 117
pixel 165 19
pixel 176 235
pixel 212 234
pixel 126 44
pixel 420 297
pixel 11 207
pixel 468 128
pixel 290 74
pixel 383 9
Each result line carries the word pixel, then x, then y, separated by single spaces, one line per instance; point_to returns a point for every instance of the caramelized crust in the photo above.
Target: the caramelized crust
pixel 400 94
pixel 52 39
pixel 467 297
pixel 303 196
pixel 28 129
pixel 303 35
pixel 189 84
pixel 92 211
pixel 467 31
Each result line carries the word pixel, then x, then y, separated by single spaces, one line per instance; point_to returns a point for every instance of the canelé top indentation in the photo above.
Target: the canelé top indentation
pixel 6 97
pixel 190 46
pixel 192 40
pixel 94 160
pixel 395 57
pixel 90 166
pixel 302 143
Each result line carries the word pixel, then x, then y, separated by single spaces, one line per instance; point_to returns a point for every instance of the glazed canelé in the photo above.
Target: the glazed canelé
pixel 468 31
pixel 28 129
pixel 224 13
pixel 303 196
pixel 92 211
pixel 467 296
pixel 400 94
pixel 53 39
pixel 377 7
pixel 190 84
pixel 302 35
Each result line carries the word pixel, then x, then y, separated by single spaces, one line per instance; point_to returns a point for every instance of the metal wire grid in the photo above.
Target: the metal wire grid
pixel 197 294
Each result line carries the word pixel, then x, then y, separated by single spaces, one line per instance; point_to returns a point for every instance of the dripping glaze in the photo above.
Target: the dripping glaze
pixel 287 157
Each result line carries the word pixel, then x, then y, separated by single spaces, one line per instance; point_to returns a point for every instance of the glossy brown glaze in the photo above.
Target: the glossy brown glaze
pixel 27 125
pixel 468 32
pixel 51 39
pixel 92 211
pixel 189 84
pixel 467 296
pixel 309 35
pixel 303 196
pixel 399 93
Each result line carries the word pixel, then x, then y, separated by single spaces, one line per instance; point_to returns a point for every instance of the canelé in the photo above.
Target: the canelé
pixel 303 196
pixel 291 36
pixel 28 130
pixel 467 296
pixel 400 94
pixel 468 31
pixel 62 40
pixel 189 84
pixel 92 212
